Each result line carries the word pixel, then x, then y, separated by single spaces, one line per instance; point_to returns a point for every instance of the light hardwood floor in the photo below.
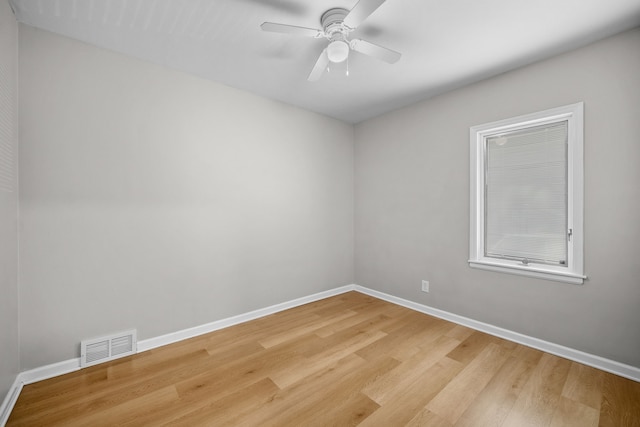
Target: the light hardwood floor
pixel 346 360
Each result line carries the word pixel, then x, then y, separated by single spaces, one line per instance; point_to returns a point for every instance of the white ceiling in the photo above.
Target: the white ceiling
pixel 444 44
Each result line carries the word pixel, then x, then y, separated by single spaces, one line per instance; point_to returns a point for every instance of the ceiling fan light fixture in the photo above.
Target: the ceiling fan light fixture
pixel 338 51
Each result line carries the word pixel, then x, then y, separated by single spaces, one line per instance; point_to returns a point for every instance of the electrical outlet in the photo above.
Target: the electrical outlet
pixel 425 286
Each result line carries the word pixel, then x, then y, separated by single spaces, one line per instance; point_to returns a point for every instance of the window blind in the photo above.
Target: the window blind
pixel 526 198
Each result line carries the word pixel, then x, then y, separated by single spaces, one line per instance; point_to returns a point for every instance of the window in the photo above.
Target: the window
pixel 527 195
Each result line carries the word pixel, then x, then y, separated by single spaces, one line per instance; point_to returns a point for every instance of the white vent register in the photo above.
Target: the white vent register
pixel 104 349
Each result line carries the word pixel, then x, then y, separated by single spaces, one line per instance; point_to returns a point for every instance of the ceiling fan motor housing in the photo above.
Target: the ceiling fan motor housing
pixel 333 23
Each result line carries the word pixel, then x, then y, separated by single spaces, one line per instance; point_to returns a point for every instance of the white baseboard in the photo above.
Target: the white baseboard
pixel 9 400
pixel 49 371
pixel 67 366
pixel 617 368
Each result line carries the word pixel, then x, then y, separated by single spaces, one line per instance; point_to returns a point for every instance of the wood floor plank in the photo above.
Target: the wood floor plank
pixel 350 406
pixel 396 381
pixel 362 316
pixel 327 343
pixel 224 379
pixel 493 404
pixel 527 354
pixel 307 327
pixel 456 397
pixel 339 401
pixel 349 412
pixel 404 405
pixel 303 368
pixel 474 344
pixel 346 360
pixel 404 341
pixel 570 413
pixel 427 418
pixel 538 400
pixel 212 410
pixel 620 405
pixel 460 332
pixel 419 341
pixel 229 353
pixel 300 398
pixel 584 385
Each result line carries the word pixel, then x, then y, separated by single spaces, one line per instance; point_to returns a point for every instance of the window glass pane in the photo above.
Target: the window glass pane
pixel 526 195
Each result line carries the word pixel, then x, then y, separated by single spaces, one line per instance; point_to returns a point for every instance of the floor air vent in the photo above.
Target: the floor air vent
pixel 107 348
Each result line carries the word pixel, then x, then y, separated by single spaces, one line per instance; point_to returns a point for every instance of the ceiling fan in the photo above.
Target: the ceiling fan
pixel 336 24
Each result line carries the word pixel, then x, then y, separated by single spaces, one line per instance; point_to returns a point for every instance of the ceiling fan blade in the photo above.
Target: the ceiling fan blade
pixel 291 29
pixel 379 52
pixel 318 69
pixel 361 11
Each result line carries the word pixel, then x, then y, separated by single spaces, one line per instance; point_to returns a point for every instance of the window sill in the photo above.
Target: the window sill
pixel 529 271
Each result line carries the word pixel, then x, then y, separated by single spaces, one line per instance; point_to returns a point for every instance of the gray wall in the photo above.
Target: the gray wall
pixel 160 201
pixel 156 200
pixel 412 202
pixel 9 344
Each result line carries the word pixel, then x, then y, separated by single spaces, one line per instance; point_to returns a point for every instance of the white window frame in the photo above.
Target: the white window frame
pixel 573 272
